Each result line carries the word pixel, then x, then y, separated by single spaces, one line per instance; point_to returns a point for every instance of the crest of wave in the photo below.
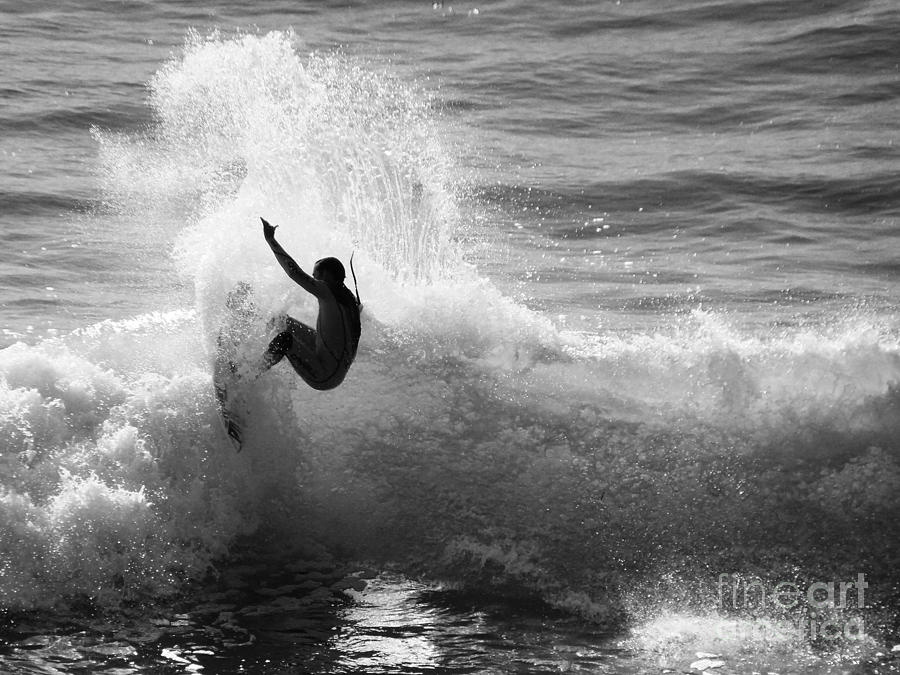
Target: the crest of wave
pixel 341 155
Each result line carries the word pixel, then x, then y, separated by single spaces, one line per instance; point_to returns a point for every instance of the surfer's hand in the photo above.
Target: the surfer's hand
pixel 268 230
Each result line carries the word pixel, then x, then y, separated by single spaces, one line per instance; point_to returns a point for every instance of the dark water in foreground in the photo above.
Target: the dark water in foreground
pixel 295 623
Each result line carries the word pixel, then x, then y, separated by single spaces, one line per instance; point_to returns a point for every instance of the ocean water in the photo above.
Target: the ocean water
pixel 626 397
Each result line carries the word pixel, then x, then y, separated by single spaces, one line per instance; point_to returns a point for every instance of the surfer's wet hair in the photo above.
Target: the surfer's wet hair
pixel 331 265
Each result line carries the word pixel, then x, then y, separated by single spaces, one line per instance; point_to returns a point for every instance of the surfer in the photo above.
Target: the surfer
pixel 322 356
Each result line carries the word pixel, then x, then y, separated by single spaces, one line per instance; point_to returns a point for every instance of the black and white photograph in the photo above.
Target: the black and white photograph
pixel 407 337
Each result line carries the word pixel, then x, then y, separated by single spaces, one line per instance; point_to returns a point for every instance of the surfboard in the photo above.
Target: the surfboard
pixel 232 421
pixel 237 326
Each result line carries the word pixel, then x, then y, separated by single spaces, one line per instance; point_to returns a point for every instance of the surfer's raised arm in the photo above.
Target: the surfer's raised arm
pixel 287 263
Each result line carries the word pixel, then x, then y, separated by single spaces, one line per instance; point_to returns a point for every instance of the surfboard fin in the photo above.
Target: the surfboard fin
pixel 234 432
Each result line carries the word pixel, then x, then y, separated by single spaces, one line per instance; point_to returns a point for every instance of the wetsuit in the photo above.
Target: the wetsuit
pixel 322 356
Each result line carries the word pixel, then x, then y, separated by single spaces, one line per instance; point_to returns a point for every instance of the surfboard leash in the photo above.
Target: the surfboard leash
pixel 355 285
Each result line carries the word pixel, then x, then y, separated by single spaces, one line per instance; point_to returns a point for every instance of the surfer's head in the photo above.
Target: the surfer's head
pixel 329 270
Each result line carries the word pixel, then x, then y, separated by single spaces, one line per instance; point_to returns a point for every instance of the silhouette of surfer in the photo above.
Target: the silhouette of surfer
pixel 322 356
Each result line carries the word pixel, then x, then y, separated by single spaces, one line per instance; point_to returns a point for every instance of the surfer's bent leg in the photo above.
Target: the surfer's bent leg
pixel 278 347
pixel 298 342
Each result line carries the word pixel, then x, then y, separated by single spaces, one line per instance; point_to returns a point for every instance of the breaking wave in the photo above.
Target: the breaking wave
pixel 472 442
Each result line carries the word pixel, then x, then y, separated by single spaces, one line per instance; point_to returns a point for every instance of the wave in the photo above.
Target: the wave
pixel 22 203
pixel 472 442
pixel 114 424
pixel 75 118
pixel 717 192
pixel 579 479
pixel 861 48
pixel 706 206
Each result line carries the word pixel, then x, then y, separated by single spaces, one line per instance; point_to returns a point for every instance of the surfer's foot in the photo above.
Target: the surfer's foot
pixel 277 323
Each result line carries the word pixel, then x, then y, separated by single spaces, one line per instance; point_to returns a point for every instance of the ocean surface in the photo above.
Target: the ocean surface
pixel 626 398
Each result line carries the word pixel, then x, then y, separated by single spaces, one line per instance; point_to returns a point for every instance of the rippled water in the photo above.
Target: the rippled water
pixel 394 625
